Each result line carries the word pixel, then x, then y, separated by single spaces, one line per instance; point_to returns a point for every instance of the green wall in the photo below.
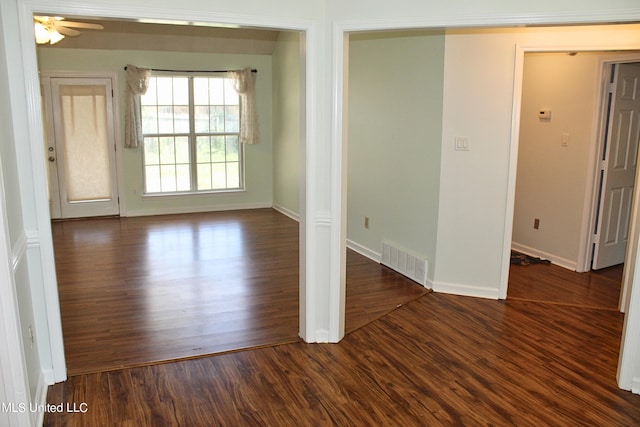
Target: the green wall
pixel 394 140
pixel 287 111
pixel 258 158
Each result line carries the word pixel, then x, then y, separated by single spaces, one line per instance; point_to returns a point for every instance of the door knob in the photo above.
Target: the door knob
pixel 52 159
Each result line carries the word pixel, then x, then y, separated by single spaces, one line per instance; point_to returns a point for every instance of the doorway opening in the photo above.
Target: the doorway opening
pixel 125 177
pixel 567 143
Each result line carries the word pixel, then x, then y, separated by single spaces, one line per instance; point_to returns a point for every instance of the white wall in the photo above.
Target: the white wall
pixel 287 112
pixel 395 131
pixel 552 178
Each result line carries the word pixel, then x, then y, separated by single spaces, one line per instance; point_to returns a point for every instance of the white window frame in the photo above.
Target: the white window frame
pixel 192 141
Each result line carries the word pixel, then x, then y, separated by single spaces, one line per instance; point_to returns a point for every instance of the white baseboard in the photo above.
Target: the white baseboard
pixel 465 290
pixel 195 209
pixel 429 284
pixel 49 377
pixel 287 212
pixel 322 336
pixel 557 260
pixel 364 251
pixel 635 385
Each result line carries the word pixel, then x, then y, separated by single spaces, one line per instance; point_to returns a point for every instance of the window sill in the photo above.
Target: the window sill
pixel 192 194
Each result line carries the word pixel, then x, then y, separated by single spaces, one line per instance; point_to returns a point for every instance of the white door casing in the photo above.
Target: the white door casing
pixel 619 168
pixel 80 147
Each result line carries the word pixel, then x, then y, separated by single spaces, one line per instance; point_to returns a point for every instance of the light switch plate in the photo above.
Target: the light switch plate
pixel 462 143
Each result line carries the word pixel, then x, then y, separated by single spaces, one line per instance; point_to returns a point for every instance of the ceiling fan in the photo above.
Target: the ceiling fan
pixel 52 29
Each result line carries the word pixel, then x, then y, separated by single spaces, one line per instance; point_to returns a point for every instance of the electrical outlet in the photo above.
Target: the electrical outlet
pixel 366 222
pixel 536 223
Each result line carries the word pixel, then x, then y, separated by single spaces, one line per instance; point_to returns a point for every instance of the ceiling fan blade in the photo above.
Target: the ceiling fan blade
pixel 73 24
pixel 66 31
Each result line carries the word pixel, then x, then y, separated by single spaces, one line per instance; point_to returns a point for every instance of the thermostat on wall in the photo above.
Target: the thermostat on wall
pixel 544 114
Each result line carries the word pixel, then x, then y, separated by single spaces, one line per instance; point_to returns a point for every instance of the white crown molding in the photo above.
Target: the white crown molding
pixel 596 17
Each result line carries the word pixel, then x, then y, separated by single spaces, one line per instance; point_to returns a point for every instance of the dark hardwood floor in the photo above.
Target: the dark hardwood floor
pixel 135 291
pixel 557 285
pixel 534 359
pixel 438 360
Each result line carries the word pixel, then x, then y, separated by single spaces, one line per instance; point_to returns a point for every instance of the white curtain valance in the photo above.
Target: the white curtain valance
pixel 245 85
pixel 137 84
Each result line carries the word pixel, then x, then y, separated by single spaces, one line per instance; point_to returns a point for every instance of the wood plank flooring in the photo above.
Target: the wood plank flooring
pixel 436 360
pixel 439 360
pixel 135 291
pixel 553 284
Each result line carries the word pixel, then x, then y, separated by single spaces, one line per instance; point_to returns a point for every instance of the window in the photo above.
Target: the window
pixel 191 128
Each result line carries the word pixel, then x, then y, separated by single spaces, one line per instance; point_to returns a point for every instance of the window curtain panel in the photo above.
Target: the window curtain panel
pixel 245 85
pixel 137 84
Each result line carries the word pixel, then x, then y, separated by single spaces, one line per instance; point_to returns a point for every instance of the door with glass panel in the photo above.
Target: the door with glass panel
pixel 80 147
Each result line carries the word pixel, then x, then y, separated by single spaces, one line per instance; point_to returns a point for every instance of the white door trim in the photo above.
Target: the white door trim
pixel 589 210
pixel 591 201
pixel 13 365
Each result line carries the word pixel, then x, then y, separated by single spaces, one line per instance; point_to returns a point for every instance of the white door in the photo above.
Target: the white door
pixel 80 147
pixel 619 168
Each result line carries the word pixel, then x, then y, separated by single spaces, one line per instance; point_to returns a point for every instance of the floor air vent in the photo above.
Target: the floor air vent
pixel 404 262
